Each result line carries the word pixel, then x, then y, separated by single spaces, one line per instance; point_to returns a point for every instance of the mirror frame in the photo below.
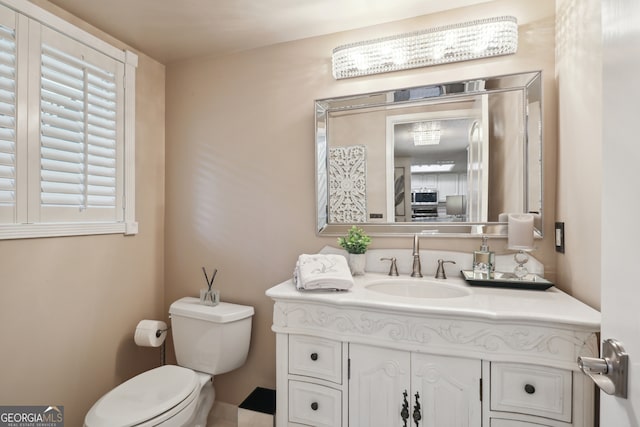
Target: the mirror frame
pixel 430 93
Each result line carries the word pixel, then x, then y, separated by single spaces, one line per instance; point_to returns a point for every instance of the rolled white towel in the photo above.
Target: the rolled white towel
pixel 322 271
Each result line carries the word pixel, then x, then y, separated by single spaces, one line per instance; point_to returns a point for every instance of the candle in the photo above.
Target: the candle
pixel 520 232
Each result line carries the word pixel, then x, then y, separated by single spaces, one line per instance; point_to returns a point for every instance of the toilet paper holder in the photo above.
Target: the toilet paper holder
pixel 159 332
pixel 146 329
pixel 163 347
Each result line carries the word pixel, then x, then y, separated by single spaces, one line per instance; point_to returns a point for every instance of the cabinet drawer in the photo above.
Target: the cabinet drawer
pixel 314 405
pixel 534 390
pixel 315 357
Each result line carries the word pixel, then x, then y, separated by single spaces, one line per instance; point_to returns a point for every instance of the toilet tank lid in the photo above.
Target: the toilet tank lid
pixel 224 312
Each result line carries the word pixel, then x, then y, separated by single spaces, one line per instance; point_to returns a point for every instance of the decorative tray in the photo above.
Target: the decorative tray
pixel 509 280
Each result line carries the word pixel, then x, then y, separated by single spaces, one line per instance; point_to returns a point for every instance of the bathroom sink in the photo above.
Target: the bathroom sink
pixel 418 288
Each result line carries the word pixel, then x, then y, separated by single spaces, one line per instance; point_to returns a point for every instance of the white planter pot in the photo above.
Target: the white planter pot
pixel 357 263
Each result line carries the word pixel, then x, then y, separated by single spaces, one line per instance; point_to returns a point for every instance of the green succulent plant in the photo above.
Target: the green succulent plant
pixel 356 241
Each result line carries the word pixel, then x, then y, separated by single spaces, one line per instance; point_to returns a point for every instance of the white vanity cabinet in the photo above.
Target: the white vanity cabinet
pixel 494 358
pixel 435 390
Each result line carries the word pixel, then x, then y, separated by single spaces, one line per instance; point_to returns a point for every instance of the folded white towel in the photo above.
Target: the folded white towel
pixel 322 271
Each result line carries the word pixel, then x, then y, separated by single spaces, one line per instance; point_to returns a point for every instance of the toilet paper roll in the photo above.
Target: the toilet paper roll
pixel 146 330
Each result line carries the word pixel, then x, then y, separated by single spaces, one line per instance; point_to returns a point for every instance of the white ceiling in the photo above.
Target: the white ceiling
pixel 452 147
pixel 172 30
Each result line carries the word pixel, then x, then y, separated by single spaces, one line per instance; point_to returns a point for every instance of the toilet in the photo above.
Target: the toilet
pixel 208 340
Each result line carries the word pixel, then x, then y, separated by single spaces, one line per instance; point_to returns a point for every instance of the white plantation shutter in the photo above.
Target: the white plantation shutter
pixel 7 124
pixel 80 137
pixel 67 129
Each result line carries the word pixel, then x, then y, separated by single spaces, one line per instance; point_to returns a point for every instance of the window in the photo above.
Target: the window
pixel 80 127
pixel 66 129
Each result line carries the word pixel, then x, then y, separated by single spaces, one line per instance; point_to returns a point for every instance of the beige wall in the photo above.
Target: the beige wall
pixel 69 306
pixel 240 162
pixel 579 80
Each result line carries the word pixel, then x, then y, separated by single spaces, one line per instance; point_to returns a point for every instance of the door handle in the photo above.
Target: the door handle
pixel 609 372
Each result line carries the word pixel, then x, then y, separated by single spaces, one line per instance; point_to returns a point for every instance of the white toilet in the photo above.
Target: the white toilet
pixel 208 341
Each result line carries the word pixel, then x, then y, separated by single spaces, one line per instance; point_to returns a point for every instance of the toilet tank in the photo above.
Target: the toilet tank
pixel 210 339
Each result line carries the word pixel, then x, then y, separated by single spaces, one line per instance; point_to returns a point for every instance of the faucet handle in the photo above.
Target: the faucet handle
pixel 393 268
pixel 440 273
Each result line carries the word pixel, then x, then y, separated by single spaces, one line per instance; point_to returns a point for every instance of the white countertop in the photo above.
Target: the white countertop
pixel 551 306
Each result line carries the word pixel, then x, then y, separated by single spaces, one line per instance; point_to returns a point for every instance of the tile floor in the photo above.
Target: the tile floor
pixel 216 422
pixel 223 415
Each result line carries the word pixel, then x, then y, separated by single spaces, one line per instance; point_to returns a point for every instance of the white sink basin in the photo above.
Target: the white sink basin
pixel 418 288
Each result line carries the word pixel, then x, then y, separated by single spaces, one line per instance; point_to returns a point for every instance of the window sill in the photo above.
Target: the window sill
pixel 32 231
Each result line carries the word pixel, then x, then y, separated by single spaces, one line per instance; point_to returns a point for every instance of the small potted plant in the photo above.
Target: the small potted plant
pixel 355 243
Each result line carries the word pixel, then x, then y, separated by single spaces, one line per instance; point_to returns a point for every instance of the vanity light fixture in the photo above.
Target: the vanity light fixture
pixel 436 167
pixel 460 42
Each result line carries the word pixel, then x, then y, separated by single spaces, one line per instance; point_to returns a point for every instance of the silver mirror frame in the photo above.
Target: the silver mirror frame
pixel 531 85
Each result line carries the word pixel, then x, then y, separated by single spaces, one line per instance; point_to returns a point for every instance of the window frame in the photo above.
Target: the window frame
pixel 28 49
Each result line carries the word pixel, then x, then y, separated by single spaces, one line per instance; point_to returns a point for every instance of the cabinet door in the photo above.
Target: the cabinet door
pixel 448 389
pixel 379 377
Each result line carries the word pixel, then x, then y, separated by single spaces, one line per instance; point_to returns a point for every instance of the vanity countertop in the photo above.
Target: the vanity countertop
pixel 551 306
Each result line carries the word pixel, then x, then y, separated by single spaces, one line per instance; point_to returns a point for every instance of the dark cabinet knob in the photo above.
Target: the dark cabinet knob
pixel 314 356
pixel 314 406
pixel 529 389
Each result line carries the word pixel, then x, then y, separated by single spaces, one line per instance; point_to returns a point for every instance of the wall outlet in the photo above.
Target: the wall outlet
pixel 560 237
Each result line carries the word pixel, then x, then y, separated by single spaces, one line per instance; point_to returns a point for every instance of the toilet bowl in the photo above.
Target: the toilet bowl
pixel 208 341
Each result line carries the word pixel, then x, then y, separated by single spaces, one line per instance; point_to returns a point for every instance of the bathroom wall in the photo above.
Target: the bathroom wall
pixel 240 161
pixel 69 306
pixel 579 81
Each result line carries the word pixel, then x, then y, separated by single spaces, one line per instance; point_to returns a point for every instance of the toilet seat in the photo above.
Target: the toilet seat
pixel 155 395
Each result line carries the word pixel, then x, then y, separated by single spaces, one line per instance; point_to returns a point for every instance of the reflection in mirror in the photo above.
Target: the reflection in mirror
pixel 435 154
pixel 446 159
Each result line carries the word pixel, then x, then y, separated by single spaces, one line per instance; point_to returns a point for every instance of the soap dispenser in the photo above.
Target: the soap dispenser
pixel 483 261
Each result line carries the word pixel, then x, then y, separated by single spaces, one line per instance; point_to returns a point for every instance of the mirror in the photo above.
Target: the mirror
pixel 449 159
